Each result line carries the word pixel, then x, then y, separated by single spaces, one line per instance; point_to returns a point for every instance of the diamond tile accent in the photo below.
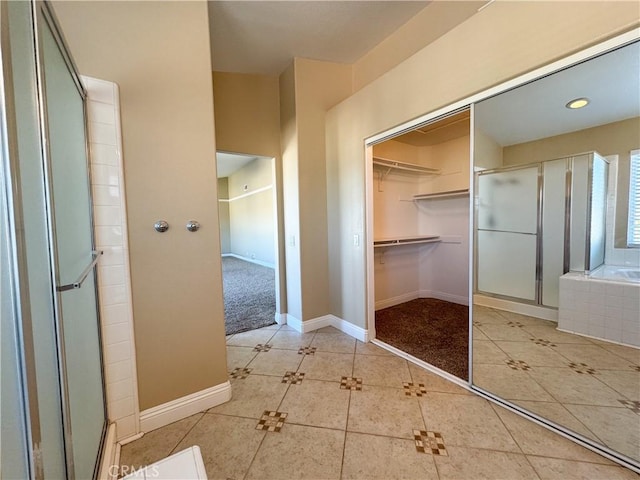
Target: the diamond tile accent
pixel 271 421
pixel 307 350
pixel 632 405
pixel 351 383
pixel 518 365
pixel 581 368
pixel 513 324
pixel 240 373
pixel 262 348
pixel 413 390
pixel 477 323
pixel 429 442
pixel 542 342
pixel 635 367
pixel 294 378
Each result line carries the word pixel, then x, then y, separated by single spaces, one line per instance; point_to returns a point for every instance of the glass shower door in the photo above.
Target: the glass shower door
pixel 73 257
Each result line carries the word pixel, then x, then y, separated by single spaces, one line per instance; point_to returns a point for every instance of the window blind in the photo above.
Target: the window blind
pixel 633 228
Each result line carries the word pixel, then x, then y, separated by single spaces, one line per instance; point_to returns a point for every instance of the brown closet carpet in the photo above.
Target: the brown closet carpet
pixel 429 329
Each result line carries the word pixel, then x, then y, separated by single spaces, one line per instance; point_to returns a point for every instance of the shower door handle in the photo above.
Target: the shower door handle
pixel 83 275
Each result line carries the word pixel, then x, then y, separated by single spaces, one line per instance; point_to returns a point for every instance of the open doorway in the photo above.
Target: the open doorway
pixel 419 224
pixel 248 240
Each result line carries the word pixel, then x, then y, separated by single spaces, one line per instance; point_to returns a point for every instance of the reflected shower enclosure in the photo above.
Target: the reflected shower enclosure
pixel 566 199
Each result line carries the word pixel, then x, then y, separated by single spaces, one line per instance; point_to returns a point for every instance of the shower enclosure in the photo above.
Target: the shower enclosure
pixel 53 408
pixel 536 222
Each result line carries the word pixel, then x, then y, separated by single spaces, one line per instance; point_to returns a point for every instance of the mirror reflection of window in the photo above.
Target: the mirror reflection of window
pixel 633 225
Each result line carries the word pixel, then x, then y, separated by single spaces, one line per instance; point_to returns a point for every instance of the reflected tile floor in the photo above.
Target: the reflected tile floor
pixel 589 385
pixel 349 410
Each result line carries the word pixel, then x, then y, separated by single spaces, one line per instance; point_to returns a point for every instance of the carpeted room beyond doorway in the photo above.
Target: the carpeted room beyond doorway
pixel 429 329
pixel 249 295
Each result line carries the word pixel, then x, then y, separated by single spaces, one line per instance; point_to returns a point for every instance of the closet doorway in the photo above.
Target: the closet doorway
pixel 248 240
pixel 419 215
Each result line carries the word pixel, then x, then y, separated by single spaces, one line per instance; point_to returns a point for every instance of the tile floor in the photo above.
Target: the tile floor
pixel 322 405
pixel 588 385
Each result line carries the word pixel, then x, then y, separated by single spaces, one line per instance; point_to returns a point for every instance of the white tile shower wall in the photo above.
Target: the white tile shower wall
pixel 629 257
pixel 116 315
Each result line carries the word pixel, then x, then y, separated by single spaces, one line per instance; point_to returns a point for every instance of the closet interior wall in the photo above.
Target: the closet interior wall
pixel 434 267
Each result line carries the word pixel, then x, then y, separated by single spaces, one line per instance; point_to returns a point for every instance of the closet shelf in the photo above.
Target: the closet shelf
pixel 395 242
pixel 451 193
pixel 408 167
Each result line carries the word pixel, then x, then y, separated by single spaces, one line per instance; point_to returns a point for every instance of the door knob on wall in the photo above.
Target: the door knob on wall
pixel 161 226
pixel 193 226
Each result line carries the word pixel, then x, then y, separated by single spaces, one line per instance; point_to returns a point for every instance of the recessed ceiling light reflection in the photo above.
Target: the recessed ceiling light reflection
pixel 577 103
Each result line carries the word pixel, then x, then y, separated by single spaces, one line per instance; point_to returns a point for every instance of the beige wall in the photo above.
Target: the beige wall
pixel 318 87
pixel 158 53
pixel 251 212
pixel 223 213
pixel 500 42
pixel 432 22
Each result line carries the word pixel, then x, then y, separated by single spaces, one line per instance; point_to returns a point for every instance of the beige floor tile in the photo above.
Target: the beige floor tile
pixel 157 444
pixel 486 315
pixel 555 469
pixel 433 382
pixel 567 386
pixel 302 405
pixel 487 352
pixel 252 396
pixel 524 319
pixel 327 366
pixel 536 440
pixel 289 340
pixel 618 428
pixel 628 353
pixel 299 452
pixel 370 349
pixel 334 342
pixel 534 355
pixel 328 329
pixel 227 444
pixel 479 335
pixel 251 338
pixel 384 458
pixel 557 413
pixel 384 411
pixel 474 464
pixel 626 383
pixel 509 384
pixel 239 357
pixel 465 420
pixel 505 332
pixel 593 355
pixel 275 362
pixel 555 336
pixel 381 370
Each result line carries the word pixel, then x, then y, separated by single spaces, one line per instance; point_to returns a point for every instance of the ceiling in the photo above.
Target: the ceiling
pixel 611 82
pixel 264 36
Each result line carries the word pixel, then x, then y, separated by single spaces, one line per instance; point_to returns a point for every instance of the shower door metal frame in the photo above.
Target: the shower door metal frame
pixel 44 17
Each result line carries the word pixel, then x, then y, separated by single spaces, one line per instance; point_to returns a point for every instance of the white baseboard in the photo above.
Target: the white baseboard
pixel 393 301
pixel 293 322
pixel 250 260
pixel 109 456
pixel 328 321
pixel 180 408
pixel 281 318
pixel 516 307
pixel 447 297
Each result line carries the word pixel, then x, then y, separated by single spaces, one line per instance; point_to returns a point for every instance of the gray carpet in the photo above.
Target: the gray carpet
pixel 249 295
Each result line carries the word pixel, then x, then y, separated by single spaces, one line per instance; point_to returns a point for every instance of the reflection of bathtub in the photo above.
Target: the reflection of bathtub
pixel 615 273
pixel 605 304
